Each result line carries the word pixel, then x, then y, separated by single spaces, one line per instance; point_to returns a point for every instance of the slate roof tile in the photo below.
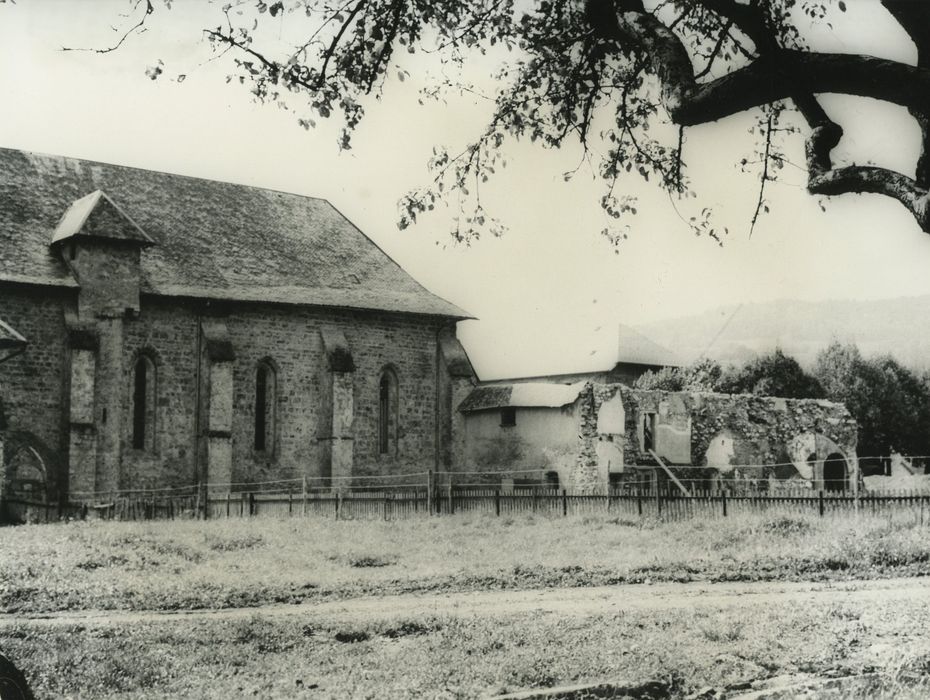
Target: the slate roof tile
pixel 212 239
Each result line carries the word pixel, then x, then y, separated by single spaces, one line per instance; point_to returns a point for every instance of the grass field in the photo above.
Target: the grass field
pixel 215 564
pixel 465 657
pixel 235 563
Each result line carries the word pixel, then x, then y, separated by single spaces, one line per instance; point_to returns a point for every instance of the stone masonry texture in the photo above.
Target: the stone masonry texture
pixel 105 269
pixel 36 389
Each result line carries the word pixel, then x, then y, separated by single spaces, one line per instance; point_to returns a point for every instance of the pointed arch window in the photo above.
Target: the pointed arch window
pixel 387 412
pixel 266 387
pixel 144 394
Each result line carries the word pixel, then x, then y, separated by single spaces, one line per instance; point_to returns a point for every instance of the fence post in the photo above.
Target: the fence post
pixel 338 499
pixel 290 500
pixel 197 500
pixel 564 503
pixel 497 503
pixel 723 500
pixel 639 502
pixel 534 499
pixel 251 503
pixel 303 496
pixel 451 502
pixel 228 497
pixel 429 492
pixel 820 500
pixel 384 500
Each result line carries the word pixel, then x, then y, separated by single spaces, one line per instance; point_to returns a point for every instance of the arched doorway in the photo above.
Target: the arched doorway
pixel 25 474
pixel 30 468
pixel 834 472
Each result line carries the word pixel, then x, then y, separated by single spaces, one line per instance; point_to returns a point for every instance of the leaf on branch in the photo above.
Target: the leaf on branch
pixel 152 72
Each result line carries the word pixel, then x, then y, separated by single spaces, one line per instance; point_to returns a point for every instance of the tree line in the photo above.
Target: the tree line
pixel 891 403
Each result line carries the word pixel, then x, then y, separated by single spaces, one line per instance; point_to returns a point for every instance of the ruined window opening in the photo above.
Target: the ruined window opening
pixel 649 431
pixel 265 391
pixel 508 417
pixel 552 480
pixel 834 473
pixel 143 404
pixel 615 479
pixel 387 412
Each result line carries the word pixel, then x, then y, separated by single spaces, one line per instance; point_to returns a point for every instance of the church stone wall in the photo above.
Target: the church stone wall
pixel 35 396
pixel 305 425
pixel 38 385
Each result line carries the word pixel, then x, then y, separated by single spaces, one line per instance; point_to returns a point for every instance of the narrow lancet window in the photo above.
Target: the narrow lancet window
pixel 265 388
pixel 143 404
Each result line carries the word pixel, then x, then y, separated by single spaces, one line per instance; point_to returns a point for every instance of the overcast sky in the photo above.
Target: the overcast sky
pixel 549 292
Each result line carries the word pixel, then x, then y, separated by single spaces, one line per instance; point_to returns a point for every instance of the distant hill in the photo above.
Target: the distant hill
pixel 900 327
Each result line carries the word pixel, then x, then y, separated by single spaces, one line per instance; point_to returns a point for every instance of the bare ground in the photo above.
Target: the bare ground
pixel 559 601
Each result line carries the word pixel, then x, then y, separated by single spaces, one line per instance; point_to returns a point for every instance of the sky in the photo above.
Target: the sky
pixel 552 290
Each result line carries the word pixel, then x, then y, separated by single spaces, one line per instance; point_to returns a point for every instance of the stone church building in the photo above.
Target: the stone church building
pixel 182 330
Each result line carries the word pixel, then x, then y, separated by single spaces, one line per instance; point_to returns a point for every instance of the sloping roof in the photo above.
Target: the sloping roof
pixel 96 216
pixel 527 395
pixel 636 349
pixel 213 240
pixel 567 360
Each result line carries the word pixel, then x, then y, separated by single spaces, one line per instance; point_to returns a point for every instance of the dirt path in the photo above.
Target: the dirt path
pixel 563 601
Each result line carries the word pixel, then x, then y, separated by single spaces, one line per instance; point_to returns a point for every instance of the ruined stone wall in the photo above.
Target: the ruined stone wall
pixel 785 438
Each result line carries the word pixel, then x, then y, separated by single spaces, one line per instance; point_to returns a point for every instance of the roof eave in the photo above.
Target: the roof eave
pixel 222 295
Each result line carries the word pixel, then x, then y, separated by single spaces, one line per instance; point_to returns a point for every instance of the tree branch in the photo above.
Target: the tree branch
pixel 139 25
pixel 860 179
pixel 774 76
pixel 328 54
pixel 778 74
pixel 914 18
pixel 760 201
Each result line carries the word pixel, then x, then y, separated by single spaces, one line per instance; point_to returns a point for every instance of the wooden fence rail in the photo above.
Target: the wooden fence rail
pixel 396 504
